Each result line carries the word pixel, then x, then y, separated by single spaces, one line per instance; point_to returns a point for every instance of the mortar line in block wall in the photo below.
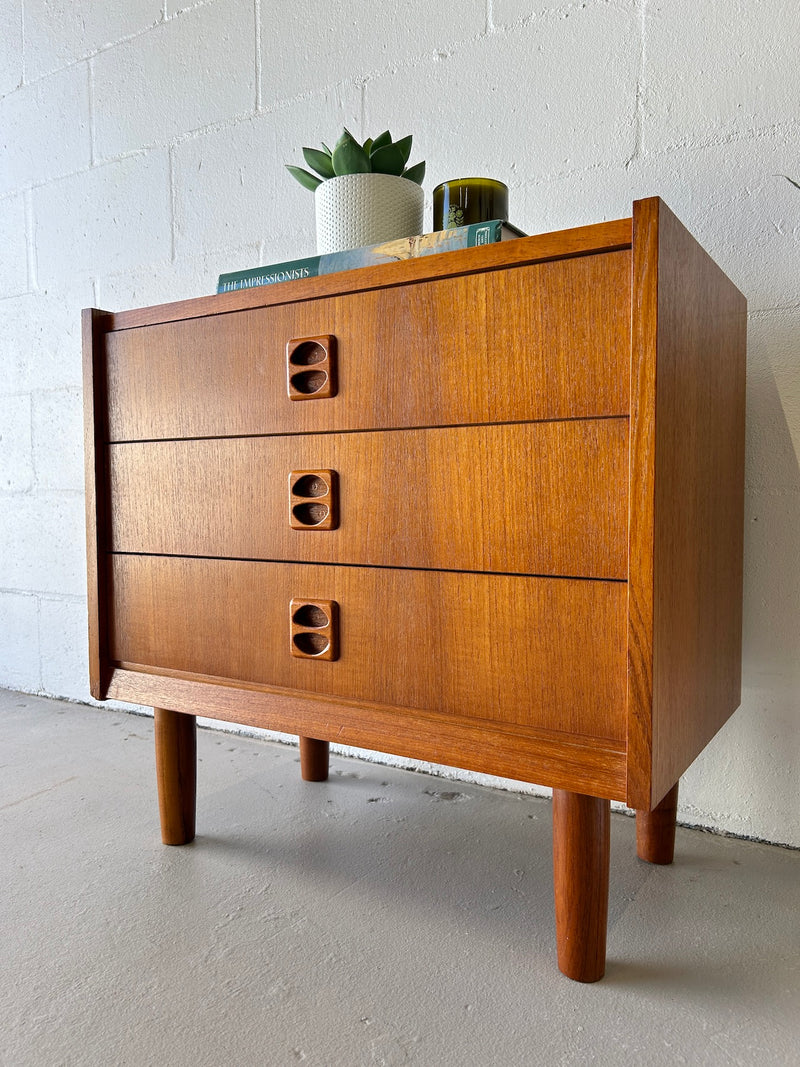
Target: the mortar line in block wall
pixel 30 240
pixel 258 54
pixel 24 72
pixel 92 130
pixel 39 650
pixel 639 103
pixel 99 50
pixel 186 8
pixel 173 197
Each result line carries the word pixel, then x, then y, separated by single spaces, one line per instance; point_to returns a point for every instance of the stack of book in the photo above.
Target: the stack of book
pixel 479 233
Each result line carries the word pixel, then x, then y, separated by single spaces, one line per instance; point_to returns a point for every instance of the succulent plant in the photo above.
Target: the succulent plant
pixel 379 156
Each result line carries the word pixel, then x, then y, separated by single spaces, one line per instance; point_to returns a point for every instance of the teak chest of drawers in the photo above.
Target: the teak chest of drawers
pixel 483 508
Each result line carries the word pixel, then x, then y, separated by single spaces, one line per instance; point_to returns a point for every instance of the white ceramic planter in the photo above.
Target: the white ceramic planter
pixel 365 209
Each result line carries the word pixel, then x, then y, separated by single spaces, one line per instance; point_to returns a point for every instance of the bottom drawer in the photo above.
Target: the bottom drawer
pixel 541 652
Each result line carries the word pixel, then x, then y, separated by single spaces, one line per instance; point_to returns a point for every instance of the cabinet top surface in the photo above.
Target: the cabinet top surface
pixel 583 240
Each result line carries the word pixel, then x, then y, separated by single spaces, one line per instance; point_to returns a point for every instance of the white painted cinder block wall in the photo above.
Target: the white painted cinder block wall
pixel 141 153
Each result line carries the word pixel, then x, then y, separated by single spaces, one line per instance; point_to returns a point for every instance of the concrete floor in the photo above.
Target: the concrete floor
pixel 384 917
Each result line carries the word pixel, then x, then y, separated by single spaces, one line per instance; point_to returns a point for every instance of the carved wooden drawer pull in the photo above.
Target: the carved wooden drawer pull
pixel 311 367
pixel 314 628
pixel 314 500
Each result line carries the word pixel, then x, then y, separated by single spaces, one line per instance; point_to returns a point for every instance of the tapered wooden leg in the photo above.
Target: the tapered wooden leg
pixel 655 830
pixel 581 849
pixel 313 759
pixel 176 772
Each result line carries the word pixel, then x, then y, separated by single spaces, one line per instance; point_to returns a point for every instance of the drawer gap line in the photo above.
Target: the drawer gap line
pixel 368 566
pixel 370 429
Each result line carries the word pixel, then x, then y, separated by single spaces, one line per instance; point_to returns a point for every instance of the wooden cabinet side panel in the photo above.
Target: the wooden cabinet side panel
pixel 540 652
pixel 93 325
pixel 688 457
pixel 699 503
pixel 528 498
pixel 644 325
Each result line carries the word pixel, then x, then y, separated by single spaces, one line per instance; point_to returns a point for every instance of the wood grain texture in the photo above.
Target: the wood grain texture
pixel 549 340
pixel 541 498
pixel 524 753
pixel 93 325
pixel 655 830
pixel 576 241
pixel 314 759
pixel 176 774
pixel 581 850
pixel 644 334
pixel 687 518
pixel 546 653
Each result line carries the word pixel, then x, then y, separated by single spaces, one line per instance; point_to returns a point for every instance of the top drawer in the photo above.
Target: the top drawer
pixel 548 340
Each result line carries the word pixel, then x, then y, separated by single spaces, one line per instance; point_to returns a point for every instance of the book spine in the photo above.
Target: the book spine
pixel 477 233
pixel 279 272
pixel 484 233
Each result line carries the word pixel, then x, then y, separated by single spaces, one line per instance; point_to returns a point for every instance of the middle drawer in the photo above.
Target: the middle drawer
pixel 527 498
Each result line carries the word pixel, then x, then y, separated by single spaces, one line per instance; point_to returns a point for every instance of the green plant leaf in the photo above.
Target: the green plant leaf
pixel 379 154
pixel 415 173
pixel 381 142
pixel 319 161
pixel 404 144
pixel 349 157
pixel 388 160
pixel 308 181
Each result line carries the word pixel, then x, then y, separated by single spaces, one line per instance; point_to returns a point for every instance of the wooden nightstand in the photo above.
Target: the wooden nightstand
pixel 483 508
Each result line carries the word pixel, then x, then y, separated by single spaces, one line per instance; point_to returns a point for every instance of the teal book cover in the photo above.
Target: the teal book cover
pixel 479 233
